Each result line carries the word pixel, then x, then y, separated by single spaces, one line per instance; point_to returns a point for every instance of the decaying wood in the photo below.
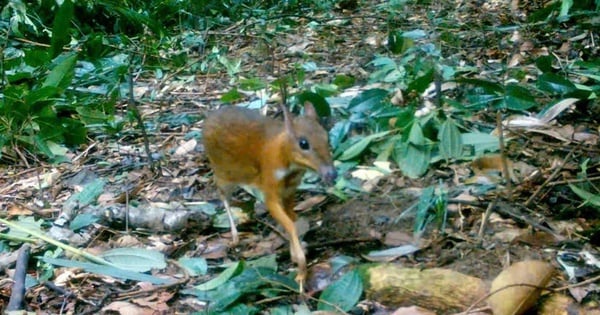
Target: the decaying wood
pixel 435 289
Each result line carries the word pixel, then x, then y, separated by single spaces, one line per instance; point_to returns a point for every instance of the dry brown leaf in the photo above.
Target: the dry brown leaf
pixel 127 308
pixel 515 299
pixel 310 202
pixel 397 238
pixel 17 210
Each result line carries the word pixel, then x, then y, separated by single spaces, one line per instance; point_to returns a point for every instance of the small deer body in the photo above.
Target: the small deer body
pixel 247 148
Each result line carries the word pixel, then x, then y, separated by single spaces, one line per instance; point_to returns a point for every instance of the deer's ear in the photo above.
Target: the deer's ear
pixel 309 110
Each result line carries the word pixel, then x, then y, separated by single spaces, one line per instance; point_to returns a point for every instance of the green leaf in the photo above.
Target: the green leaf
pixel 415 135
pixel 487 86
pixel 343 293
pixel 221 278
pixel 88 195
pixel 423 217
pixel 194 265
pixel 253 84
pixel 587 196
pixel 367 100
pixel 268 262
pixel 359 147
pixel 61 28
pixel 414 156
pixel 421 83
pixel 27 222
pixel 344 81
pixel 415 160
pixel 398 43
pixel 338 132
pixel 518 98
pixel 41 94
pixel 450 140
pixel 554 83
pixel 61 75
pixel 481 142
pixel 82 220
pixel 231 96
pixel 106 270
pixel 544 63
pixel 135 259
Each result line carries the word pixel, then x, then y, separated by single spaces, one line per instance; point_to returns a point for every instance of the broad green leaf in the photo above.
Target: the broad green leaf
pixel 325 89
pixel 135 259
pixel 343 293
pixel 588 197
pixel 367 100
pixel 338 132
pixel 481 142
pixel 487 86
pixel 75 132
pixel 61 75
pixel 421 83
pixel 231 96
pixel 89 194
pixel 82 220
pixel 383 61
pixel 194 265
pixel 253 84
pixel 450 140
pixel 106 270
pixel 359 147
pixel 61 27
pixel 398 43
pixel 415 160
pixel 221 278
pixel 29 223
pixel 416 136
pixel 344 81
pixel 554 83
pixel 518 98
pixel 544 63
pixel 90 116
pixel 338 262
pixel 269 262
pixel 41 94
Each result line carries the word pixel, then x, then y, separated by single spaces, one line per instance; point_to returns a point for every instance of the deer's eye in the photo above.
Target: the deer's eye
pixel 303 143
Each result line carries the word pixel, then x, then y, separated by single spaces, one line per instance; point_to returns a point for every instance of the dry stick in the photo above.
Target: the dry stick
pixel 531 222
pixel 573 181
pixel 138 116
pixel 18 289
pixel 486 217
pixel 503 155
pixel 552 176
